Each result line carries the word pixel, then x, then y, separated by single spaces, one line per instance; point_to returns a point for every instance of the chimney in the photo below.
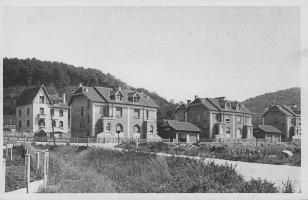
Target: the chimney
pixel 188 102
pixel 63 98
pixel 80 84
pixel 196 96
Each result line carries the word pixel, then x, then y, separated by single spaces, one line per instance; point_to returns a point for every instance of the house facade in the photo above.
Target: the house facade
pixel 37 110
pixel 105 112
pixel 217 118
pixel 287 118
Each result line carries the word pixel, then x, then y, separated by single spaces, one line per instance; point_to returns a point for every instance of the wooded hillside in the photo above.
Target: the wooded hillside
pixel 19 74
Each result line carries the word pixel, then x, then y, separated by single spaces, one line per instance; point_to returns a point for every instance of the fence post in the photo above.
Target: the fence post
pixel 3 178
pixel 11 152
pixel 27 163
pixel 6 151
pixel 45 168
pixel 37 157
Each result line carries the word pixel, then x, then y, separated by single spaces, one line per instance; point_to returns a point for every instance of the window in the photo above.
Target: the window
pixel 28 123
pixel 81 111
pixel 61 113
pixel 198 118
pixel 239 133
pixel 19 112
pixel 81 125
pixel 52 112
pixel 137 129
pixel 41 99
pixel 136 113
pixel 61 124
pixel 238 119
pixel 19 124
pixel 151 129
pixel 88 118
pixel 119 112
pixel 299 122
pixel 41 123
pixel 108 127
pixel 118 97
pixel 228 131
pixel 105 111
pixel 147 114
pixel 276 122
pixel 28 111
pixel 136 99
pixel 227 118
pixel 42 111
pixel 53 123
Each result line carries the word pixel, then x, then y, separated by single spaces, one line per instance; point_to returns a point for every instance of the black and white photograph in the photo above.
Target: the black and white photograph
pixel 152 98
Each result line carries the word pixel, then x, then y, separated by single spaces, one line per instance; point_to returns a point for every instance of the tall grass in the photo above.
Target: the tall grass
pixel 97 170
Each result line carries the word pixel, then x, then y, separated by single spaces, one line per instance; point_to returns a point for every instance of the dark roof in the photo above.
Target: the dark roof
pixel 269 129
pixel 28 95
pixel 104 94
pixel 60 105
pixel 218 104
pixel 183 126
pixel 287 110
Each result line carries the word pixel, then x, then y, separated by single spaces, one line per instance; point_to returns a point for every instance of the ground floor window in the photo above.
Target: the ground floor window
pixel 228 131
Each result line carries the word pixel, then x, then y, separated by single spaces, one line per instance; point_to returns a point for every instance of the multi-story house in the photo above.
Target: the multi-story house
pixel 287 118
pixel 37 110
pixel 217 118
pixel 107 112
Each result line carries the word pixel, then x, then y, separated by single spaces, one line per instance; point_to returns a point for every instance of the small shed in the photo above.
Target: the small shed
pixel 179 131
pixel 270 133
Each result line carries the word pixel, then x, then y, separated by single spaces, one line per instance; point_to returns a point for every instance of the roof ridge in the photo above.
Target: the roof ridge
pixel 283 106
pixel 210 100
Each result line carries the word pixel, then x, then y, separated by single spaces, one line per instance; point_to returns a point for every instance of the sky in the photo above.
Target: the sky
pixel 178 52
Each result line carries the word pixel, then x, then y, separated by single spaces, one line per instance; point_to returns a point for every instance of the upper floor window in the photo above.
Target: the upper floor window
pixel 136 113
pixel 28 123
pixel 227 118
pixel 53 123
pixel 119 111
pixel 228 130
pixel 104 111
pixel 42 111
pixel 52 112
pixel 148 114
pixel 19 112
pixel 299 122
pixel 118 97
pixel 198 118
pixel 81 111
pixel 136 98
pixel 61 113
pixel 28 111
pixel 108 127
pixel 238 119
pixel 42 98
pixel 81 125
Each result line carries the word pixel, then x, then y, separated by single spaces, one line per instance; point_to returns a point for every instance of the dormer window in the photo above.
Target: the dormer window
pixel 41 99
pixel 118 97
pixel 227 106
pixel 238 107
pixel 136 99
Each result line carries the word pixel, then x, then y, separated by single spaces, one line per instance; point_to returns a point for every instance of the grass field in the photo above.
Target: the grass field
pixel 81 169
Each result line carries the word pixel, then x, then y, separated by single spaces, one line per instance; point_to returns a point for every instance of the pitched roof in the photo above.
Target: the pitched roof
pixel 183 126
pixel 28 95
pixel 103 94
pixel 287 110
pixel 269 129
pixel 218 104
